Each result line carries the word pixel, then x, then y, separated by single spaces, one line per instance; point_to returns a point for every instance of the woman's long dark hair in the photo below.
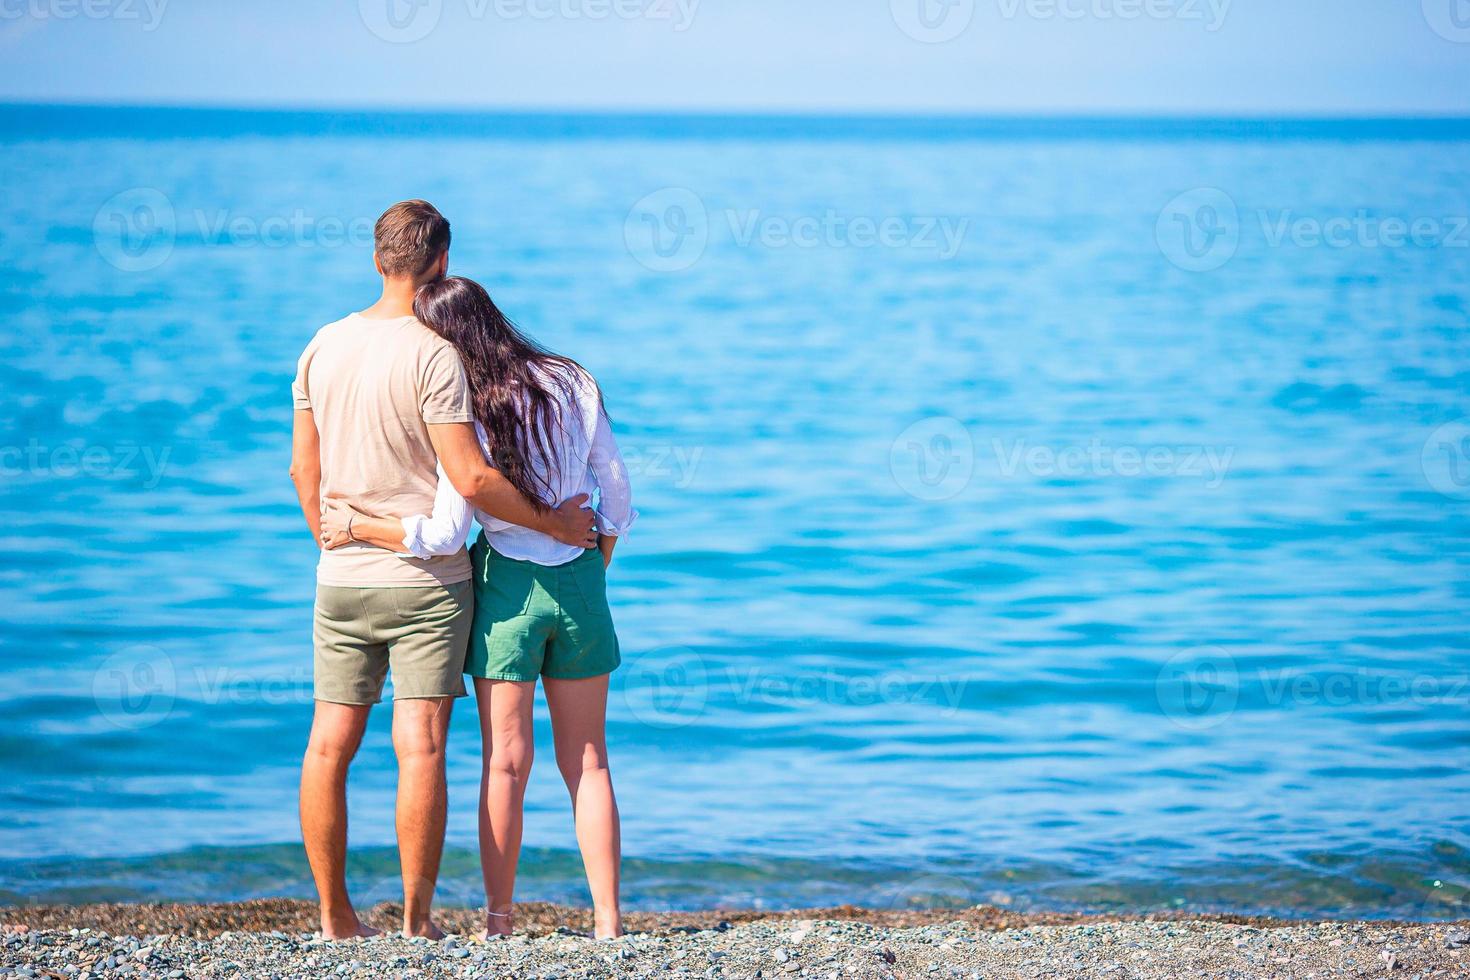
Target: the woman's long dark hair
pixel 514 381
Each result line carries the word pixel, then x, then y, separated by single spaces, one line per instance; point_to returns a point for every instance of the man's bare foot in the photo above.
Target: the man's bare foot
pixel 352 928
pixel 607 925
pixel 428 929
pixel 498 925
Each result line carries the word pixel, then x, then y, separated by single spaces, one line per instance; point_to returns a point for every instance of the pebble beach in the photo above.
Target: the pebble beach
pixel 268 939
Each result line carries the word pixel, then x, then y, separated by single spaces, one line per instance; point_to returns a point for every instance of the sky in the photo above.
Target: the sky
pixel 1234 57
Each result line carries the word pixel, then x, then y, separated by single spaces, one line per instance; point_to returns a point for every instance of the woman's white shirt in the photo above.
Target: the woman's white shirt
pixel 587 461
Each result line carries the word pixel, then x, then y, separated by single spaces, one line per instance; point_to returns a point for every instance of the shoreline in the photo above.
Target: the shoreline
pixel 209 919
pixel 273 938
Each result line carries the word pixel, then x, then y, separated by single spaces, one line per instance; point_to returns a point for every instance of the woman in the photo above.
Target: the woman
pixel 540 606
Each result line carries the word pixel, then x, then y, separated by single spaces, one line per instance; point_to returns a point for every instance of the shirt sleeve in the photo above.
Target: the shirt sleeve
pixel 443 532
pixel 446 392
pixel 300 400
pixel 615 513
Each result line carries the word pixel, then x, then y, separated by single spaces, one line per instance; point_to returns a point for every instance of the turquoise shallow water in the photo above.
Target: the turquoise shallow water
pixel 1067 520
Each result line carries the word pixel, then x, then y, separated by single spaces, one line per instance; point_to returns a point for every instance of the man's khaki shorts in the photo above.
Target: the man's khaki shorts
pixel 420 633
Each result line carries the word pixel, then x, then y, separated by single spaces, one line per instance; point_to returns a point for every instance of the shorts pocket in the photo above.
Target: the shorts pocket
pixel 433 605
pixel 588 580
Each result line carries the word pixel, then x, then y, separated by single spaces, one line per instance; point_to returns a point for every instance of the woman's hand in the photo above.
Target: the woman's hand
pixel 337 520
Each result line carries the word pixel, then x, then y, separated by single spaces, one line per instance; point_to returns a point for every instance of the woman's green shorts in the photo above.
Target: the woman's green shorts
pixel 535 620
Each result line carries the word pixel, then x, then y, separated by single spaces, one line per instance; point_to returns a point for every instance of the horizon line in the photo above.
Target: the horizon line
pixel 142 120
pixel 747 112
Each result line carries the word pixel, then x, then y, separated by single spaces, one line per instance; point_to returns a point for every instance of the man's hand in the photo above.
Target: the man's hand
pixel 572 523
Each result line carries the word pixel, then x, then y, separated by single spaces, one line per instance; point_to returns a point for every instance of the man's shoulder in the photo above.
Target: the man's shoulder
pixel 403 340
pixel 328 332
pixel 420 335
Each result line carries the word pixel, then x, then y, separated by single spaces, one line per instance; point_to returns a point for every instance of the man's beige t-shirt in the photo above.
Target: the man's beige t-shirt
pixel 374 387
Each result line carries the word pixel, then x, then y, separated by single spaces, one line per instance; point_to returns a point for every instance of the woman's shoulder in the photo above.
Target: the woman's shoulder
pixel 570 377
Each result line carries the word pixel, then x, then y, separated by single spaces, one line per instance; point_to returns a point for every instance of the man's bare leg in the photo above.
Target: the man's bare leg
pixel 420 730
pixel 336 732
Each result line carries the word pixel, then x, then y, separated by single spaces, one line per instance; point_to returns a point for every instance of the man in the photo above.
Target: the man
pixel 378 397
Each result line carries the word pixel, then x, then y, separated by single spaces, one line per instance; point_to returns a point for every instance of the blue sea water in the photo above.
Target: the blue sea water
pixel 1065 515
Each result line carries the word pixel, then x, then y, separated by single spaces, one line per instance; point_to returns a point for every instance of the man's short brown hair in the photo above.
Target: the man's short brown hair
pixel 409 238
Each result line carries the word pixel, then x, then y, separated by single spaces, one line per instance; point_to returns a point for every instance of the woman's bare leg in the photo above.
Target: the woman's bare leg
pixel 508 743
pixel 579 723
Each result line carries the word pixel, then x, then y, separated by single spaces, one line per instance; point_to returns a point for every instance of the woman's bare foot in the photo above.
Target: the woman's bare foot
pixel 607 925
pixel 428 929
pixel 352 928
pixel 498 925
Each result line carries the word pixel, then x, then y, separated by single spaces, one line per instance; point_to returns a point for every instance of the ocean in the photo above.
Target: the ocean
pixel 1058 514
